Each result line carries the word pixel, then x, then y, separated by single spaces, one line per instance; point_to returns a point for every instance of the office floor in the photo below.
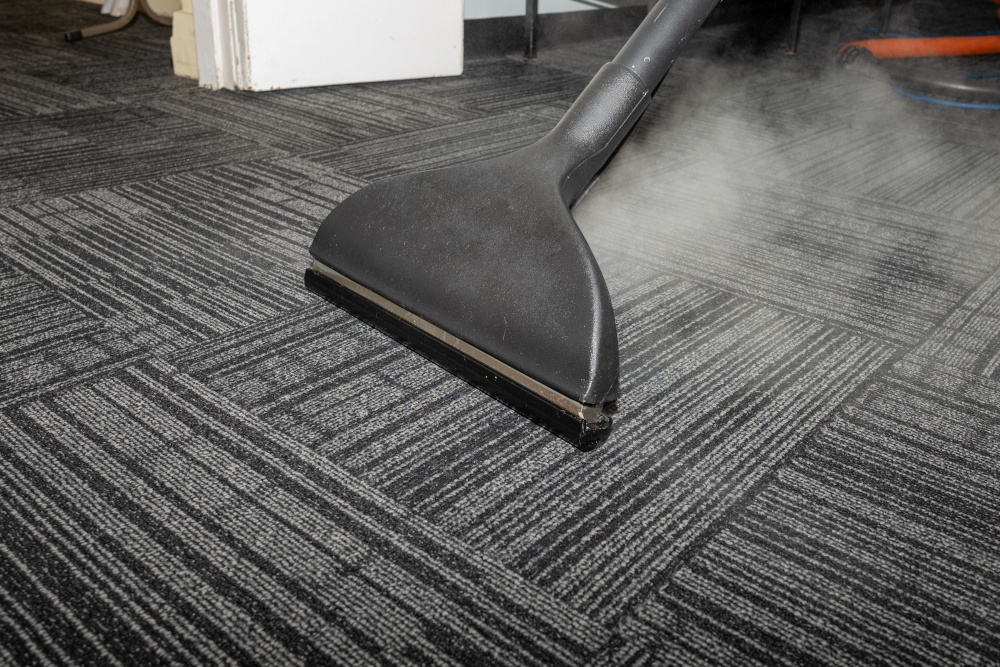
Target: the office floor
pixel 204 463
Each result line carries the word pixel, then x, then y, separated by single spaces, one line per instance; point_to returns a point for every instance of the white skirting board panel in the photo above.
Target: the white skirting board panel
pixel 264 45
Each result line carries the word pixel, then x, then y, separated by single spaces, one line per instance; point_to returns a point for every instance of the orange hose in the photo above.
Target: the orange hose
pixel 917 47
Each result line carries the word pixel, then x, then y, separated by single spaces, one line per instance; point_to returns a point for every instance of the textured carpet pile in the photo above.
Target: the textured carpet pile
pixel 201 462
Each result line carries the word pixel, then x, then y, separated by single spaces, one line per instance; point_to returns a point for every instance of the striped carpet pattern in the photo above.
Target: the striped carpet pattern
pixel 83 150
pixel 732 404
pixel 45 337
pixel 833 257
pixel 211 266
pixel 969 339
pixel 313 116
pixel 436 147
pixel 177 527
pixel 201 462
pixel 876 543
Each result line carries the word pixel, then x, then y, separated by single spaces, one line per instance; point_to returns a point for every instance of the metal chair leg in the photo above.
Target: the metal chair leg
pixel 530 28
pixel 795 23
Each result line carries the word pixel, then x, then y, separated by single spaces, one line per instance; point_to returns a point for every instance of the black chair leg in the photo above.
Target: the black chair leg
pixel 530 28
pixel 795 22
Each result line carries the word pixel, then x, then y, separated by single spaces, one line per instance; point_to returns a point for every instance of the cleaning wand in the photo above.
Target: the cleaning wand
pixel 481 267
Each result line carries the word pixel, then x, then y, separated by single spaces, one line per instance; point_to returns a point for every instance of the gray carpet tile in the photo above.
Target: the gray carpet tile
pixel 22 142
pixel 150 260
pixel 552 112
pixel 110 145
pixel 716 389
pixel 436 147
pixel 831 95
pixel 45 337
pixel 203 462
pixel 583 59
pixel 24 53
pixel 892 149
pixel 902 161
pixel 879 269
pixel 341 387
pixel 118 80
pixel 875 545
pixel 177 527
pixel 144 40
pixel 706 127
pixel 969 338
pixel 501 85
pixel 24 95
pixel 305 119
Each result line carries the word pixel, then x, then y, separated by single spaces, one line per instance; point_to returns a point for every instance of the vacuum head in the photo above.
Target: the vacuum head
pixel 481 267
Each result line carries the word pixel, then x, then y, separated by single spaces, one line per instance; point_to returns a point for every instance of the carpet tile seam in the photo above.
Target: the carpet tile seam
pixel 901 354
pixel 191 383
